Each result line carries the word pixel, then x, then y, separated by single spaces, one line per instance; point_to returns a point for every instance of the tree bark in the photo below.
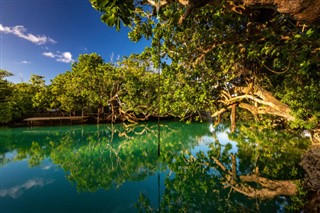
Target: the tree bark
pixel 254 99
pixel 305 11
pixel 269 104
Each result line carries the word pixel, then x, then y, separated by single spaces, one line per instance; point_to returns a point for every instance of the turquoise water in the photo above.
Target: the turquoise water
pixel 116 168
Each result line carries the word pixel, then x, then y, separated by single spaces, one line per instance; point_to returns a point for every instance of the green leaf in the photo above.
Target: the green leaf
pixel 297 36
pixel 309 32
pixel 108 19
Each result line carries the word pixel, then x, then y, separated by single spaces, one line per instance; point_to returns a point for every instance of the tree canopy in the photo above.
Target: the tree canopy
pixel 256 56
pixel 114 12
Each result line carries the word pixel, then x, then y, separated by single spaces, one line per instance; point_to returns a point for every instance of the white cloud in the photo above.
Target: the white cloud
pixel 25 62
pixel 49 54
pixel 65 57
pixel 21 32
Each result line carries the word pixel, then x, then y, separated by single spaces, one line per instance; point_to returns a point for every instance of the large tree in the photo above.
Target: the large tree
pixel 255 57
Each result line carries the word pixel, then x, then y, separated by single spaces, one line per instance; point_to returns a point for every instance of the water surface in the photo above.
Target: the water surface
pixel 116 168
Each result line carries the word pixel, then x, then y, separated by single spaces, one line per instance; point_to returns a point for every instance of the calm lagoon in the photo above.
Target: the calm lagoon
pixel 116 168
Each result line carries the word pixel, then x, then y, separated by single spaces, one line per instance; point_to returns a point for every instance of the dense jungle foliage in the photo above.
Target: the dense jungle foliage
pixel 215 60
pixel 248 56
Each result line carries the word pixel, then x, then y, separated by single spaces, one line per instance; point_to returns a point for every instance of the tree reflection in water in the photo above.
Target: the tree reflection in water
pixel 257 177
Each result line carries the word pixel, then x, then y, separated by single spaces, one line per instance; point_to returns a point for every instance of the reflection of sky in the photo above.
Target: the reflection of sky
pixel 224 140
pixel 203 145
pixel 17 190
pixel 47 167
pixel 206 140
pixel 10 155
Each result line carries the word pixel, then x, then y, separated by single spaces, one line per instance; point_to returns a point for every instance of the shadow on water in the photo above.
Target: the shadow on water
pixel 200 169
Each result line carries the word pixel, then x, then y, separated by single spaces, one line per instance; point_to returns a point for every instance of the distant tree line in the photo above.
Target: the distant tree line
pixel 126 91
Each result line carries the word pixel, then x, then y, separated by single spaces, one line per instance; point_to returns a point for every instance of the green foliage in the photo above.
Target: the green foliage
pixel 185 94
pixel 81 88
pixel 37 80
pixel 18 104
pixel 270 50
pixel 22 99
pixel 139 92
pixel 199 59
pixel 96 86
pixel 5 96
pixel 114 11
pixel 4 74
pixel 64 97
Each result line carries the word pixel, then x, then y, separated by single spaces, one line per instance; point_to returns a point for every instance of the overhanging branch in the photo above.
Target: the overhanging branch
pixel 306 11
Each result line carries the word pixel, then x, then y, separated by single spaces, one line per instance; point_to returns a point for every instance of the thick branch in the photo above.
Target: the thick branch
pixel 217 113
pixel 253 98
pixel 271 105
pixel 265 110
pixel 307 11
pixel 158 4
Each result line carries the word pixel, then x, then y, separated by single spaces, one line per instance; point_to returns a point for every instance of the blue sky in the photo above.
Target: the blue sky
pixel 44 37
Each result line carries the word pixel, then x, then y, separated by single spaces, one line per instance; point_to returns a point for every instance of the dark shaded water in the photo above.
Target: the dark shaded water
pixel 114 168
